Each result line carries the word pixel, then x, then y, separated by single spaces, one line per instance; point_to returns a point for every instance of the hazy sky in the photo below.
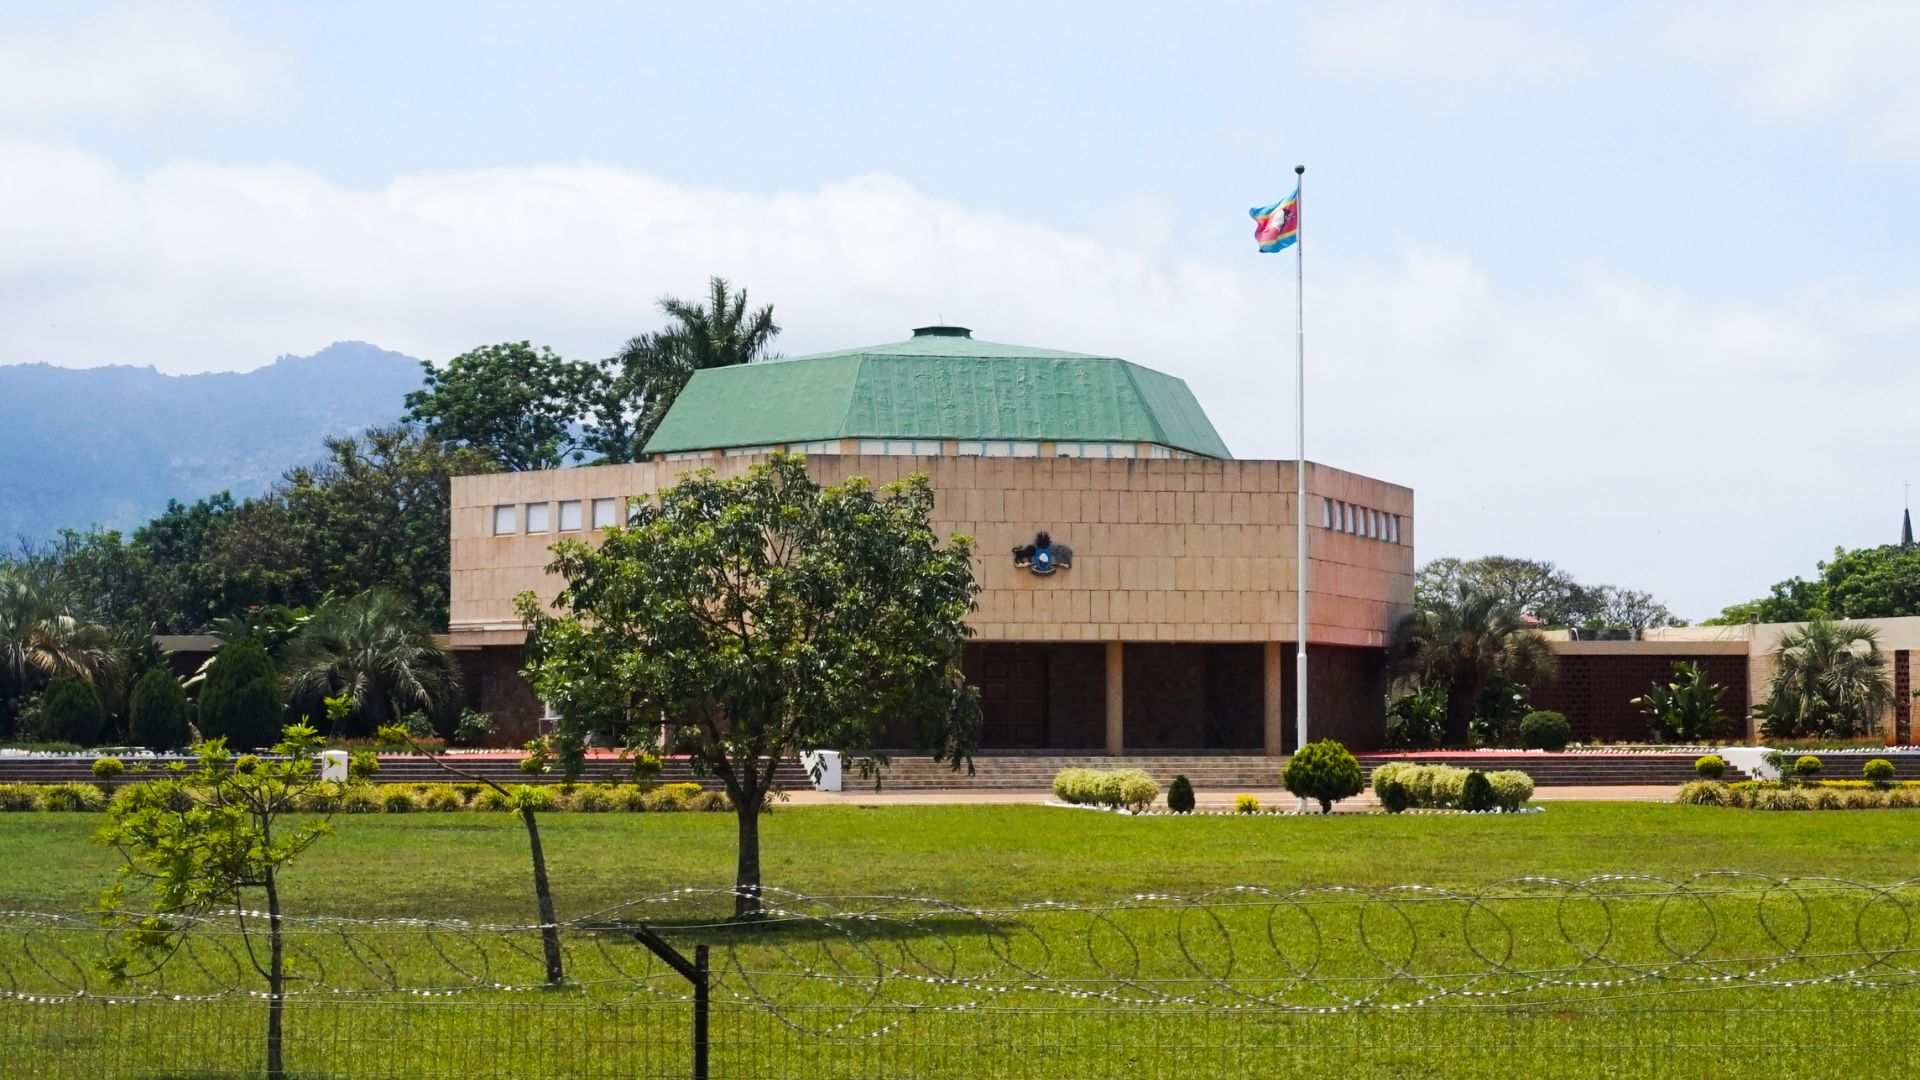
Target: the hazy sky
pixel 1634 289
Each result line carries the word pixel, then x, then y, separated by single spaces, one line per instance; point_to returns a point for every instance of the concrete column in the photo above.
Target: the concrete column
pixel 1116 700
pixel 1273 705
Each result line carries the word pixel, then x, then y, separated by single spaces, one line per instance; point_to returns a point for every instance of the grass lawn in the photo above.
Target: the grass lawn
pixel 473 866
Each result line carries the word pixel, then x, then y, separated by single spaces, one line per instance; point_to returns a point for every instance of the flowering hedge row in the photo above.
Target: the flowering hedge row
pixel 1403 785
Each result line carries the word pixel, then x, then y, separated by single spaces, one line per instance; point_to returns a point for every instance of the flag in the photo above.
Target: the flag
pixel 1276 227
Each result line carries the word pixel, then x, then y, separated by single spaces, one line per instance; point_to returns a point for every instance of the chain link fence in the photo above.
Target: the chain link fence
pixel 1605 977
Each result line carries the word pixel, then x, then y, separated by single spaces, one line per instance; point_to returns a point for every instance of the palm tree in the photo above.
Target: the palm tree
pixel 1467 641
pixel 720 332
pixel 375 649
pixel 1827 676
pixel 44 634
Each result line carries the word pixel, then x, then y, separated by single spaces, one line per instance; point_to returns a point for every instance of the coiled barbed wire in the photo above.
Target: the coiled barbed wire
pixel 856 966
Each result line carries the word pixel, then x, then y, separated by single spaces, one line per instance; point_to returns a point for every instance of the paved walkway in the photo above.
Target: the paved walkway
pixel 1207 800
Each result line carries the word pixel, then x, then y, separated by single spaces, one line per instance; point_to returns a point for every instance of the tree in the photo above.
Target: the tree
pixel 240 701
pixel 1864 583
pixel 44 635
pixel 1827 677
pixel 1469 641
pixel 69 710
pixel 1632 609
pixel 1323 771
pixel 517 405
pixel 373 648
pixel 1686 709
pixel 639 385
pixel 1542 591
pixel 159 716
pixel 199 841
pixel 757 617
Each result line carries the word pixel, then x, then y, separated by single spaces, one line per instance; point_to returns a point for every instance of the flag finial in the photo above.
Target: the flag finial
pixel 1299 170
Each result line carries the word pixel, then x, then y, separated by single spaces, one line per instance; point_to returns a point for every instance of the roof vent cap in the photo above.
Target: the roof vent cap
pixel 942 331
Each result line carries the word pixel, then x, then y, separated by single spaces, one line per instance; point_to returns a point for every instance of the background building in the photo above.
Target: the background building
pixel 1173 627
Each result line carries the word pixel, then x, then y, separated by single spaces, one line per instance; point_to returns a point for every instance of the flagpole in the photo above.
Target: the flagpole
pixel 1300 467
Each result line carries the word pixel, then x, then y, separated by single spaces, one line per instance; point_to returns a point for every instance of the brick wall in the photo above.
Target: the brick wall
pixel 1903 696
pixel 1596 691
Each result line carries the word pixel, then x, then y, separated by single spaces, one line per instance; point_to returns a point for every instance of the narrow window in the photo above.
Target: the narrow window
pixel 602 513
pixel 537 517
pixel 506 520
pixel 1326 512
pixel 570 516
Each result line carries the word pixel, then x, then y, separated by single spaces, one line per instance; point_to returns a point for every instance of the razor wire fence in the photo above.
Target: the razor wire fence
pixel 1619 975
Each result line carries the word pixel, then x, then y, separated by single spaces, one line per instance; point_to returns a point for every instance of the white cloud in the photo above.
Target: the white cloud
pixel 134 60
pixel 1845 60
pixel 1448 48
pixel 1631 432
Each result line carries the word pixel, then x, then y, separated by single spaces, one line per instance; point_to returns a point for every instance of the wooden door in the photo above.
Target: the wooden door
pixel 1013 696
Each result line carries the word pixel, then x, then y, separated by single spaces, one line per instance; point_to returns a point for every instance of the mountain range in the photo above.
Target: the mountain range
pixel 108 446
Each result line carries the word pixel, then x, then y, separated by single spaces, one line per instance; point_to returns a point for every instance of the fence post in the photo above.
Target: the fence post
pixel 700 1012
pixel 694 972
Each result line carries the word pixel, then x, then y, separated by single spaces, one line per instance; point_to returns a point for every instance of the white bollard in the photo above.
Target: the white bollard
pixel 333 765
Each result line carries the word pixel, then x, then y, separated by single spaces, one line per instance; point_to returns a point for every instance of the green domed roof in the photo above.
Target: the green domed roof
pixel 940 384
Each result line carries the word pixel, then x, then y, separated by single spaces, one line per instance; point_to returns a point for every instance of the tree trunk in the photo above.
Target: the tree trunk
pixel 746 880
pixel 276 981
pixel 543 897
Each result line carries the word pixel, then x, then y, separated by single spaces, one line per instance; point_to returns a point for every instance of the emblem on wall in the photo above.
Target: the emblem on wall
pixel 1043 556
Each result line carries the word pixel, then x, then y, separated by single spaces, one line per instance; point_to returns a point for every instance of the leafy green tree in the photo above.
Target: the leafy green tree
pixel 240 701
pixel 1323 771
pixel 757 617
pixel 1687 709
pixel 1828 677
pixel 373 648
pixel 69 710
pixel 44 634
pixel 518 405
pixel 1864 583
pixel 1470 641
pixel 202 840
pixel 640 384
pixel 1542 591
pixel 159 716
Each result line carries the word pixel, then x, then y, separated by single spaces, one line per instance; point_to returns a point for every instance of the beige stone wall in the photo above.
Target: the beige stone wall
pixel 1164 550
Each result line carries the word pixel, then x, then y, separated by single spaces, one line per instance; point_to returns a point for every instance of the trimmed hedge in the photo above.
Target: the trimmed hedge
pixel 1774 795
pixel 1403 785
pixel 404 798
pixel 1710 766
pixel 1116 788
pixel 1545 730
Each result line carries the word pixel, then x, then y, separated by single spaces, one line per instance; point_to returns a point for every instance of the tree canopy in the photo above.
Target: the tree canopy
pixel 518 405
pixel 1829 679
pixel 745 620
pixel 1466 642
pixel 1863 583
pixel 1539 590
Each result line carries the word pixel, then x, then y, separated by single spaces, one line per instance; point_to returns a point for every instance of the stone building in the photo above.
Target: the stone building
pixel 1166 620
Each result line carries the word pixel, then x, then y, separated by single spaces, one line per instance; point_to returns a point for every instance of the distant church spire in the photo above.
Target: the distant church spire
pixel 1906 518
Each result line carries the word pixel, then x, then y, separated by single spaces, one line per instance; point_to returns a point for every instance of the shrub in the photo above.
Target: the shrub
pixel 241 698
pixel 1824 798
pixel 632 798
pixel 1449 785
pixel 158 712
pixel 1180 795
pixel 494 800
pixel 397 799
pixel 246 763
pixel 1779 799
pixel 1710 766
pixel 1323 771
pixel 108 769
pixel 593 800
pixel 1863 800
pixel 69 710
pixel 468 791
pixel 1903 797
pixel 1103 787
pixel 535 797
pixel 1246 804
pixel 1138 792
pixel 72 798
pixel 1687 709
pixel 712 802
pixel 359 799
pixel 1511 789
pixel 363 765
pixel 472 728
pixel 321 799
pixel 667 799
pixel 16 797
pixel 441 797
pixel 1544 730
pixel 1390 787
pixel 1704 793
pixel 1878 771
pixel 1476 792
pixel 1807 767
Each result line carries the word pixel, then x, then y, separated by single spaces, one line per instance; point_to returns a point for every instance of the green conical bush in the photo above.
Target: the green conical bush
pixel 241 699
pixel 158 712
